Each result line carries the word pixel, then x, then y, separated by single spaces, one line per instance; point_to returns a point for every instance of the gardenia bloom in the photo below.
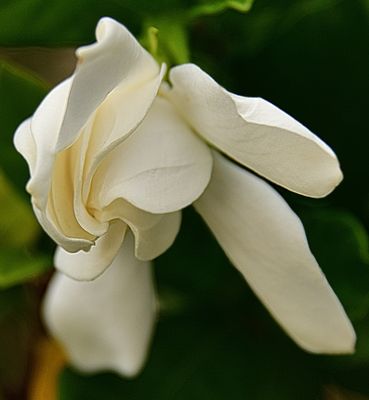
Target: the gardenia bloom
pixel 115 154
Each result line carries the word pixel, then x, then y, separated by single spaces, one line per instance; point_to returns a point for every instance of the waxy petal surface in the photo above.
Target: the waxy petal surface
pixel 154 233
pixel 86 266
pixel 25 144
pixel 255 133
pixel 115 59
pixel 162 167
pixel 266 242
pixel 105 324
pixel 107 97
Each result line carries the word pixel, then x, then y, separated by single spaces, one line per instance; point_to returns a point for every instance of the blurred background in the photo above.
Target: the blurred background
pixel 214 340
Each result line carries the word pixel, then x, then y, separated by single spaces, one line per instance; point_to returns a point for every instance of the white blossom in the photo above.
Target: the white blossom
pixel 115 154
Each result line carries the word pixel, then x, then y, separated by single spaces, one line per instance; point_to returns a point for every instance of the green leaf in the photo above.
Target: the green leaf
pixel 167 40
pixel 18 226
pixel 18 232
pixel 150 40
pixel 18 266
pixel 20 94
pixel 173 35
pixel 214 7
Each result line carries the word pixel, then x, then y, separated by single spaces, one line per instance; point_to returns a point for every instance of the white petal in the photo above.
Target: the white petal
pixel 89 265
pixel 162 167
pixel 77 161
pixel 25 144
pixel 105 324
pixel 47 220
pixel 255 133
pixel 153 241
pixel 154 233
pixel 266 242
pixel 113 74
pixel 45 126
pixel 65 183
pixel 116 118
pixel 115 59
pixel 51 184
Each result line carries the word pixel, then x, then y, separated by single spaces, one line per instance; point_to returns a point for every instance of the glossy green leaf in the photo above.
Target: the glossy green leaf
pixel 214 7
pixel 20 94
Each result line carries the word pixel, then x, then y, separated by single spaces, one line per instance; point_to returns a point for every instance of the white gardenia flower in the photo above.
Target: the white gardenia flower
pixel 114 155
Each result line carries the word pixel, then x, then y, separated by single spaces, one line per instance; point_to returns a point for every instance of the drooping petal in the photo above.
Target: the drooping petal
pixel 115 59
pixel 162 167
pixel 266 242
pixel 105 324
pixel 154 233
pixel 255 133
pixel 86 266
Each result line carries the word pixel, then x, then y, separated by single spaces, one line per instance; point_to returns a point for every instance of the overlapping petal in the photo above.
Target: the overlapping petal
pixel 105 324
pixel 47 219
pixel 63 193
pixel 255 133
pixel 266 242
pixel 45 126
pixel 86 266
pixel 161 168
pixel 154 233
pixel 109 94
pixel 41 162
pixel 110 153
pixel 115 59
pixel 116 118
pixel 25 144
pixel 53 183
